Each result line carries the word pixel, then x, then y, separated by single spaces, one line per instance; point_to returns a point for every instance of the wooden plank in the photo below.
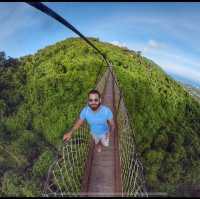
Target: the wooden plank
pixel 105 176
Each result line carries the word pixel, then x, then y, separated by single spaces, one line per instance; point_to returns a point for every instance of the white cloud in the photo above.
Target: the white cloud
pixel 180 27
pixel 152 44
pixel 172 59
pixel 179 63
pixel 177 68
pixel 120 44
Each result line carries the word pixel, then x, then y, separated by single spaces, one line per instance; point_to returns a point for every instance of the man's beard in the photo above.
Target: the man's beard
pixel 95 108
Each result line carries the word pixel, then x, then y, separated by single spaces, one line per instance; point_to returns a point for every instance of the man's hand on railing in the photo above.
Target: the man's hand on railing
pixel 67 136
pixel 77 124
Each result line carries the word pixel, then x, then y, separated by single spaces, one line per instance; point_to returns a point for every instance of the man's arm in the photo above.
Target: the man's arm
pixel 77 125
pixel 112 127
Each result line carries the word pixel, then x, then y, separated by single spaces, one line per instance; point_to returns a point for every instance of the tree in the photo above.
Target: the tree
pixel 41 166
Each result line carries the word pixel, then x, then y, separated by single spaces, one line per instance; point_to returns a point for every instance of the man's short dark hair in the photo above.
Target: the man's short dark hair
pixel 93 91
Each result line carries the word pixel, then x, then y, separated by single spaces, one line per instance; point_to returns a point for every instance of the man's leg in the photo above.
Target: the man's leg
pixel 105 140
pixel 98 146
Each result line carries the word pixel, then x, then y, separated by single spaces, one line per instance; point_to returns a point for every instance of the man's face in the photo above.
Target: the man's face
pixel 94 101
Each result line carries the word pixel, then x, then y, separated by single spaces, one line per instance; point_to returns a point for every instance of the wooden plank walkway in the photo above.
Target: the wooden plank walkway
pixel 102 174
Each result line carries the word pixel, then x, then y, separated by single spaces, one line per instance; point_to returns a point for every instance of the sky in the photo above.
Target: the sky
pixel 167 33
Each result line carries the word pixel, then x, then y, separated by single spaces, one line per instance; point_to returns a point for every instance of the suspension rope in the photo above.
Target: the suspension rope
pixel 63 21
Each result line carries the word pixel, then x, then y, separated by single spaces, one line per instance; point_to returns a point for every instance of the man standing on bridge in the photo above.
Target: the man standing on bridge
pixel 98 116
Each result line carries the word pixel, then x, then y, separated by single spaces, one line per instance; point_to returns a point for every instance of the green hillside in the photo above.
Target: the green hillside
pixel 166 120
pixel 41 95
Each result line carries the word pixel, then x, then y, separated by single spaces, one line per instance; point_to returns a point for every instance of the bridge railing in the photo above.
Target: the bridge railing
pixel 66 174
pixel 133 183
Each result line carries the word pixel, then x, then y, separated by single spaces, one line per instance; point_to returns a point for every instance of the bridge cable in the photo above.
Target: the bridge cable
pixel 57 17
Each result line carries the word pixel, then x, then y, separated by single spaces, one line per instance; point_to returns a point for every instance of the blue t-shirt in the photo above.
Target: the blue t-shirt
pixel 97 120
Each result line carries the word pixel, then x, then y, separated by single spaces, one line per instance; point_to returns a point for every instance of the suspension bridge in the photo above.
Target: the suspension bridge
pixel 81 171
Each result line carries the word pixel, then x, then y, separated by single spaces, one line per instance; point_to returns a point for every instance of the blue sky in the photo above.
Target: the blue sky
pixel 168 33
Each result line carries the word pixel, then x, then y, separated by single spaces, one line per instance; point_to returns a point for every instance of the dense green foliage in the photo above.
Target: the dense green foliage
pixel 41 95
pixel 165 119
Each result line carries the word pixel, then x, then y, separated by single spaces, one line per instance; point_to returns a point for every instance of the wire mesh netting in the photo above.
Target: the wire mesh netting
pixel 66 174
pixel 133 183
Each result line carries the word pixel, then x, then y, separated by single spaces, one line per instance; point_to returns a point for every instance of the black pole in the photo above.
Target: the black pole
pixel 54 15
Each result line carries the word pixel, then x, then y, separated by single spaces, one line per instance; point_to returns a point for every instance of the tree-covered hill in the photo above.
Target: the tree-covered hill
pixel 41 94
pixel 166 120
